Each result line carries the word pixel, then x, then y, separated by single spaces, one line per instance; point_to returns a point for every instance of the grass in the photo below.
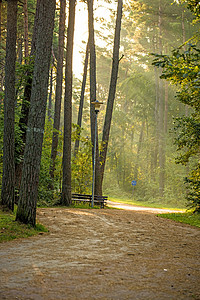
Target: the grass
pixel 190 218
pixel 84 205
pixel 145 203
pixel 11 229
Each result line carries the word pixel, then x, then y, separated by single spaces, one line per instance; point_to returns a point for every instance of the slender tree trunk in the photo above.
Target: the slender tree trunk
pixel 23 121
pixel 20 51
pixel 166 106
pixel 161 147
pixel 92 70
pixel 97 191
pixel 112 90
pixel 49 112
pixel 26 211
pixel 1 60
pixel 183 29
pixel 66 187
pixel 0 21
pixel 25 9
pixel 58 96
pixel 138 150
pixel 184 47
pixel 8 180
pixel 80 112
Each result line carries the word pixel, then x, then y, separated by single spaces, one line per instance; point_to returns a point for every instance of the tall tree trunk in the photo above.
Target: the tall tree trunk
pixel 66 187
pixel 20 50
pixel 96 166
pixel 155 150
pixel 166 107
pixel 25 9
pixel 1 73
pixel 58 96
pixel 0 20
pixel 138 150
pixel 161 147
pixel 112 90
pixel 49 112
pixel 92 70
pixel 8 180
pixel 26 211
pixel 23 121
pixel 80 112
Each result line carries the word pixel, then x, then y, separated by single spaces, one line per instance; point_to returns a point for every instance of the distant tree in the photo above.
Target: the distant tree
pixel 8 180
pixel 26 211
pixel 66 185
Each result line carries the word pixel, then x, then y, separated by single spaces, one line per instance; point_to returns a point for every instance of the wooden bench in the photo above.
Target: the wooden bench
pixel 98 200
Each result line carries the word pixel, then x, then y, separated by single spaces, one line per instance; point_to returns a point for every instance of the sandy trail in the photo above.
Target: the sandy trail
pixel 102 254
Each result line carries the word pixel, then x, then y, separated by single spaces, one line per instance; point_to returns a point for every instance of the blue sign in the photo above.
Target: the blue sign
pixel 134 182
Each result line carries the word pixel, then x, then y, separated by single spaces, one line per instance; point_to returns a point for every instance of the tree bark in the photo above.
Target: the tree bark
pixel 97 191
pixel 58 96
pixel 161 146
pixel 1 59
pixel 25 9
pixel 92 71
pixel 26 211
pixel 80 112
pixel 112 90
pixel 23 121
pixel 66 187
pixel 0 20
pixel 8 180
pixel 49 112
pixel 166 107
pixel 138 150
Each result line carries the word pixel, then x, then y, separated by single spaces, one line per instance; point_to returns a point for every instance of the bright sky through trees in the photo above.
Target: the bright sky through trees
pixel 81 34
pixel 81 31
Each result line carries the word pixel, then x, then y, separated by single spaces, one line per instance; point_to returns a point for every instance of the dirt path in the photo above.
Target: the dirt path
pixel 103 254
pixel 140 208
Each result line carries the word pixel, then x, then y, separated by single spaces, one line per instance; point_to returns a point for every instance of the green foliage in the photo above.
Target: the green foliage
pixel 182 68
pixel 187 137
pixel 81 167
pixel 193 184
pixel 84 206
pixel 82 164
pixel 187 218
pixel 47 196
pixel 194 6
pixel 11 229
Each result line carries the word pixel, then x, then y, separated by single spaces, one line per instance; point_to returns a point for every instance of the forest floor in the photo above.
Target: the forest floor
pixel 103 254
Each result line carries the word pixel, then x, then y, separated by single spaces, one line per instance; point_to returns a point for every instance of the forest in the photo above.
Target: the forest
pixel 140 58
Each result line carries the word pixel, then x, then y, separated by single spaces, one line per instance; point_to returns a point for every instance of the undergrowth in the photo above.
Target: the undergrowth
pixel 11 229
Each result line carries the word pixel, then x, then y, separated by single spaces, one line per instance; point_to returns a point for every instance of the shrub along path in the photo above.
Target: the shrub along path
pixel 102 254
